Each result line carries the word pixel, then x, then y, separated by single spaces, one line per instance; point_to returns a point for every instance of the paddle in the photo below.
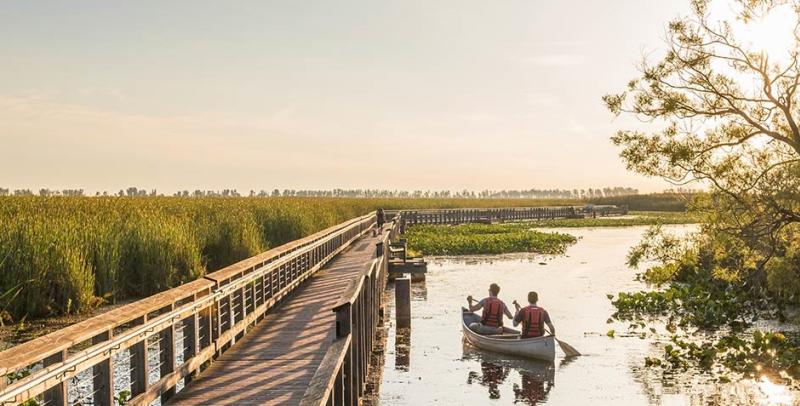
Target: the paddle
pixel 569 350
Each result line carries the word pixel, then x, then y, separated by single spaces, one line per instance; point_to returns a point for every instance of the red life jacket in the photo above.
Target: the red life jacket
pixel 532 321
pixel 492 312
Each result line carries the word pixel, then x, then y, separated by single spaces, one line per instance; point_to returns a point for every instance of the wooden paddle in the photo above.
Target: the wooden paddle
pixel 569 350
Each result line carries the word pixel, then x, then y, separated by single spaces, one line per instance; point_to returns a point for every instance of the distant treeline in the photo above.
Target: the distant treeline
pixel 589 193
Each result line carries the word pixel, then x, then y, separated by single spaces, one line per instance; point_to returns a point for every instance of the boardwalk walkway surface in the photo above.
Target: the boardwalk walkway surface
pixel 274 363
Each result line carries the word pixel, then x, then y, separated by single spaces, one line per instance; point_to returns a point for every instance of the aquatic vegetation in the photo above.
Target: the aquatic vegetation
pixel 763 353
pixel 706 285
pixel 470 239
pixel 635 218
pixel 698 306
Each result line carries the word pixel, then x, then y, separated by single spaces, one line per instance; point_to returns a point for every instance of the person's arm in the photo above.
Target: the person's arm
pixel 478 305
pixel 507 312
pixel 549 323
pixel 518 315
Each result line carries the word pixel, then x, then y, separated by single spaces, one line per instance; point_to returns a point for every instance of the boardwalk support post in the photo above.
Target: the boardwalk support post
pixel 402 301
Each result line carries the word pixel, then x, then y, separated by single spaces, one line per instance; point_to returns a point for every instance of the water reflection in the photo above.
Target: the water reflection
pixel 419 292
pixel 534 388
pixel 774 394
pixel 402 348
pixel 492 376
pixel 536 378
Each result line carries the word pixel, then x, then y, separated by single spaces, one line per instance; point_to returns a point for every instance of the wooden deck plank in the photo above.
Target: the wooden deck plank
pixel 274 363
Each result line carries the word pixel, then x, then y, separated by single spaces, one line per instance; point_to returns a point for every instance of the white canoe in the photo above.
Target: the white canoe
pixel 543 348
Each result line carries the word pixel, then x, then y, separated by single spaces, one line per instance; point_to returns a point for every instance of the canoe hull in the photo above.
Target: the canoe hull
pixel 541 348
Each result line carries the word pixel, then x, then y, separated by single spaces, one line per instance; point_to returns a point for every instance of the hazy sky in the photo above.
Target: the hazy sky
pixel 300 94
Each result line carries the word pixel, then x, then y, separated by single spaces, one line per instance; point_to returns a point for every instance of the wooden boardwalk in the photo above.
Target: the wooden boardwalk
pixel 274 363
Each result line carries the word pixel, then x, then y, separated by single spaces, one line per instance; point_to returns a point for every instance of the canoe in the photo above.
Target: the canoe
pixel 542 348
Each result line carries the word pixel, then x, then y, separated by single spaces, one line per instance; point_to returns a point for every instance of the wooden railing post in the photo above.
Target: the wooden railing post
pixel 402 295
pixel 103 381
pixel 140 371
pixel 344 324
pixel 344 319
pixel 167 358
pixel 57 395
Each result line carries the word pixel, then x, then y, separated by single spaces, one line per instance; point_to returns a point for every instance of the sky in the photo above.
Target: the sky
pixel 254 95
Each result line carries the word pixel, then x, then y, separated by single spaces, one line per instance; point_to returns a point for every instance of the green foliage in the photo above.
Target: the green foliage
pixel 123 397
pixel 725 116
pixel 471 239
pixel 699 300
pixel 770 353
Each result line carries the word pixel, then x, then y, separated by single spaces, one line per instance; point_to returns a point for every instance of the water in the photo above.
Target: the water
pixel 431 365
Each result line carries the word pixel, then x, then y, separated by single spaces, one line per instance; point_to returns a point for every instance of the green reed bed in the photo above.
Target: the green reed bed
pixel 469 239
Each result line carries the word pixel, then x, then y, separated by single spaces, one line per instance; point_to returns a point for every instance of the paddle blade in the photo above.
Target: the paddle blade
pixel 569 350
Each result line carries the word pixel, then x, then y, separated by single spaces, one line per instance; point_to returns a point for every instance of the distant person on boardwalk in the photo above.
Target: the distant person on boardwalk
pixel 380 218
pixel 493 311
pixel 533 318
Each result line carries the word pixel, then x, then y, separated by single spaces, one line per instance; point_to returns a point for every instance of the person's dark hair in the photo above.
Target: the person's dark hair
pixel 494 289
pixel 533 297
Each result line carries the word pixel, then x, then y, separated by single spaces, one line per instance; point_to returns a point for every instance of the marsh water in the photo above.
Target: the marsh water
pixel 431 365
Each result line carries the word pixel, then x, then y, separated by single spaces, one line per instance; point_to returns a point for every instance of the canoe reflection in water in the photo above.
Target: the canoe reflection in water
pixel 535 386
pixel 537 378
pixel 492 375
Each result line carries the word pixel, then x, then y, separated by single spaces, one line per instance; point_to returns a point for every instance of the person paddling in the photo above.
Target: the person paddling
pixel 493 311
pixel 380 219
pixel 533 318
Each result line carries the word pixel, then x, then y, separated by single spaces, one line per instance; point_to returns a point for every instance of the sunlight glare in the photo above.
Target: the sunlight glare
pixel 772 33
pixel 775 394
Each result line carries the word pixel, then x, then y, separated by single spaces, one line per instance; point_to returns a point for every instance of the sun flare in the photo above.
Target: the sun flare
pixel 774 394
pixel 772 33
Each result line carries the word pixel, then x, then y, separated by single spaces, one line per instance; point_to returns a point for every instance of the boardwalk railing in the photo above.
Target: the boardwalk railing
pixel 341 377
pixel 165 339
pixel 460 216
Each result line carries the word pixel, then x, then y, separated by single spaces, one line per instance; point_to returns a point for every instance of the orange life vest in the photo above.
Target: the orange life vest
pixel 532 321
pixel 492 312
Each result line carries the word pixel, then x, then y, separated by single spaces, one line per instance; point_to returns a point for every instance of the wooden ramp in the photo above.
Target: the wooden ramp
pixel 274 363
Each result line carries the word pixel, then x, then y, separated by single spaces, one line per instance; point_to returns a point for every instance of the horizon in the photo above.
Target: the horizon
pixel 530 194
pixel 102 95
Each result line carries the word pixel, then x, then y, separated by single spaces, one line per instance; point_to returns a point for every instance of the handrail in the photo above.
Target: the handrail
pixel 461 216
pixel 22 355
pixel 518 208
pixel 341 376
pixel 206 305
